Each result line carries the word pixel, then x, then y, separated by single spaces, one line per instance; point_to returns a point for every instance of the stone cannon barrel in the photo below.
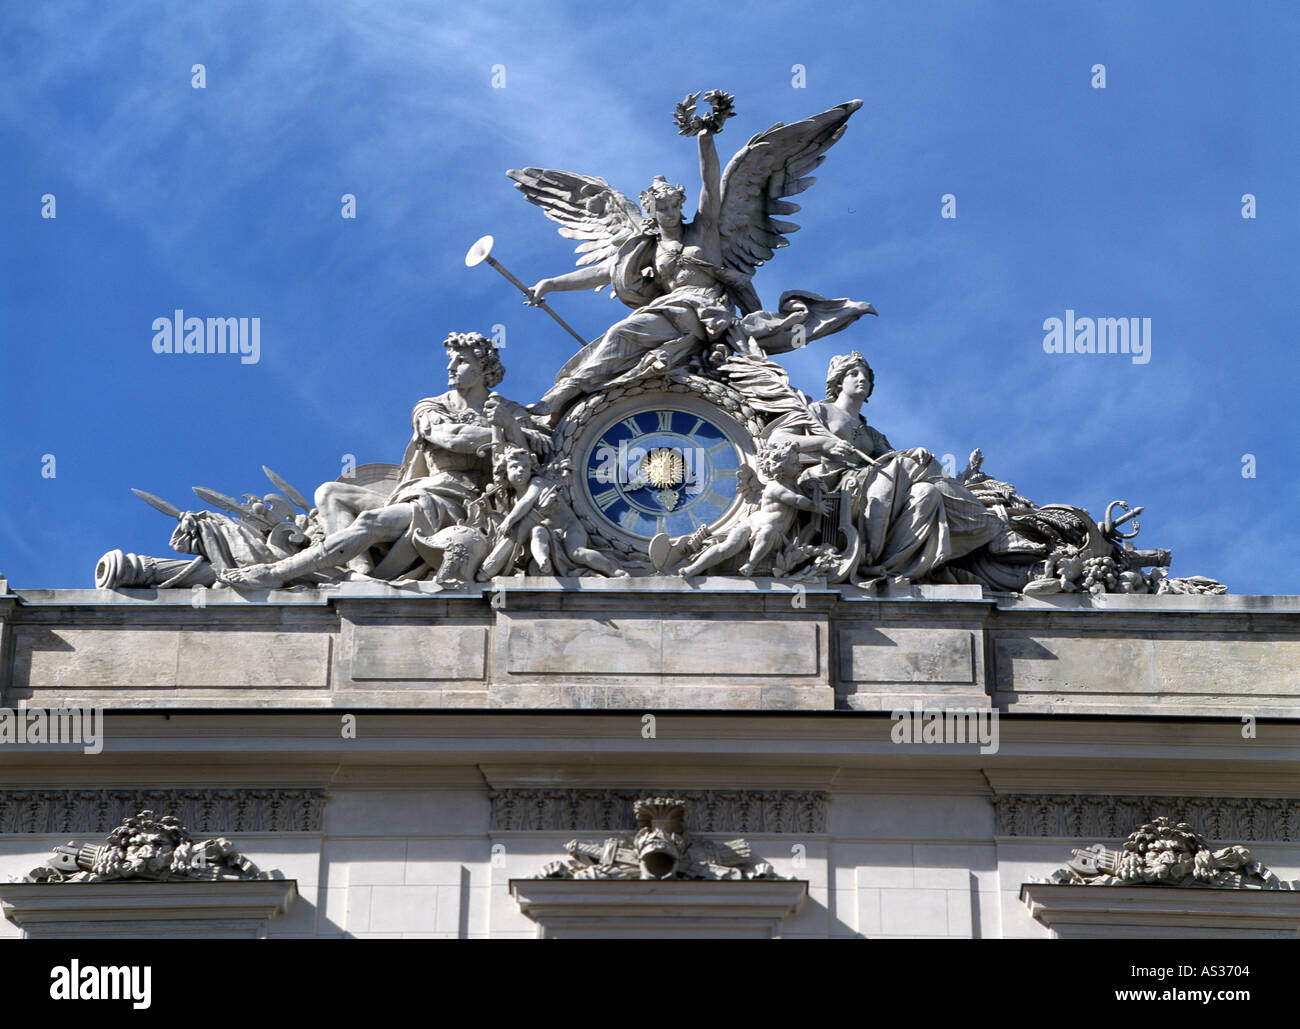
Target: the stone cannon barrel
pixel 119 570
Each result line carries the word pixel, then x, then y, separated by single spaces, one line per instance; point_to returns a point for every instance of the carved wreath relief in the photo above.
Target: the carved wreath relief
pixel 1165 853
pixel 661 848
pixel 147 847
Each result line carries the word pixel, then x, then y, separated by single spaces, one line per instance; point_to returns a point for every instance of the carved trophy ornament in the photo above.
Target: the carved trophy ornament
pixel 1164 853
pixel 147 847
pixel 661 848
pixel 672 443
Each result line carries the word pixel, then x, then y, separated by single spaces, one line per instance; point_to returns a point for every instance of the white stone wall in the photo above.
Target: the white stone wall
pixel 419 863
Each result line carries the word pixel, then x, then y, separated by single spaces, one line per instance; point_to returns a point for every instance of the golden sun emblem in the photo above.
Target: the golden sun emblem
pixel 663 468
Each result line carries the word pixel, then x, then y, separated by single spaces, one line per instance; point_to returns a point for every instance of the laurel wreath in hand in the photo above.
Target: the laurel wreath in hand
pixel 721 107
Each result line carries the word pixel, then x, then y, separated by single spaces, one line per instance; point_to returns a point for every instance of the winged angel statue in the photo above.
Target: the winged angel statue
pixel 690 283
pixel 827 496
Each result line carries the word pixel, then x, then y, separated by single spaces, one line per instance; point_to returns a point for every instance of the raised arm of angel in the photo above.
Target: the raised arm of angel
pixel 721 107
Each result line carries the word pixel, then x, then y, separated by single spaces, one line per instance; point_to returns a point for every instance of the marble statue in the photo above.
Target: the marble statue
pixel 540 520
pixel 774 502
pixel 443 474
pixel 905 517
pixel 685 281
pixel 673 443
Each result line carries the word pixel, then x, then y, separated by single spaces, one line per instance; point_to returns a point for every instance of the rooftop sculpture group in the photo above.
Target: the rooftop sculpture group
pixel 671 444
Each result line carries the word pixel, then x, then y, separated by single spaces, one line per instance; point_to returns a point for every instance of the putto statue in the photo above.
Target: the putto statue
pixel 773 501
pixel 673 443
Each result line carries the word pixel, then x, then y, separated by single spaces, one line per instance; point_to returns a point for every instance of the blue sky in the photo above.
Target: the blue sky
pixel 225 201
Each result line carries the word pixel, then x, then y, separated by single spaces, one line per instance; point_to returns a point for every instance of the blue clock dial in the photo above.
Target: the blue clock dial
pixel 662 470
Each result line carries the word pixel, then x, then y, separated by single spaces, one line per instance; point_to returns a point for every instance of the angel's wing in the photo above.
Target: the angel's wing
pixel 748 485
pixel 770 167
pixel 766 387
pixel 586 208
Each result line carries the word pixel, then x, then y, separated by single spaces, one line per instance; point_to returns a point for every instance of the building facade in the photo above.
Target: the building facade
pixel 411 760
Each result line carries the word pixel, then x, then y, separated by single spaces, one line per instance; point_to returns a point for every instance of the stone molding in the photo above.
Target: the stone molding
pixel 1094 816
pixel 654 909
pixel 72 811
pixel 1159 912
pixel 709 811
pixel 147 910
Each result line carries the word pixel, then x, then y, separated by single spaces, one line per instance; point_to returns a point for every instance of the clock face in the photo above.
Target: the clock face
pixel 659 468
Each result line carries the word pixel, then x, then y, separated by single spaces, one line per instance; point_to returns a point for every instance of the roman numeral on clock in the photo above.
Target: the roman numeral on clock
pixel 665 421
pixel 606 499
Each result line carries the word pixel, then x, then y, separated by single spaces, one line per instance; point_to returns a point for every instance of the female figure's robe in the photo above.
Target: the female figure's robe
pixel 910 517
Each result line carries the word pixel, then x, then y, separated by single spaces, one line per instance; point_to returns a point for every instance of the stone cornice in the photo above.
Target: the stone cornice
pixel 1147 912
pixel 1037 753
pixel 425 594
pixel 146 909
pixel 634 908
pixel 675 777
